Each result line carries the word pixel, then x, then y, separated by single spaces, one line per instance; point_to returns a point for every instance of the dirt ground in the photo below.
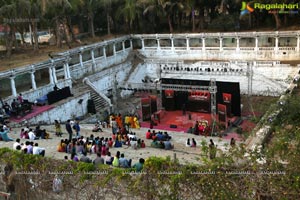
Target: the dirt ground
pixel 183 153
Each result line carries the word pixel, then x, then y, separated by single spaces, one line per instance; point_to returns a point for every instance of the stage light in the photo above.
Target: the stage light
pixel 208 69
pixel 225 69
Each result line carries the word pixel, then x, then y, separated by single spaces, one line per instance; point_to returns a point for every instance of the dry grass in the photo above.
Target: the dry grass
pixel 26 55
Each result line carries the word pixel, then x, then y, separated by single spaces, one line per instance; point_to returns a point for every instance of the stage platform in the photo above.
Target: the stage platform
pixel 177 121
pixel 36 110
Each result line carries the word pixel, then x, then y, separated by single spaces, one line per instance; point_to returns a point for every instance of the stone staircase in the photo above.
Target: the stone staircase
pixel 99 102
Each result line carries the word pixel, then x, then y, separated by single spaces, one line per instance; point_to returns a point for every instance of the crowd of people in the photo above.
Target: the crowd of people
pixel 18 106
pixel 79 148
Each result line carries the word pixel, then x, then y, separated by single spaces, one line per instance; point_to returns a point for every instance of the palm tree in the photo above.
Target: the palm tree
pixel 189 9
pixel 8 12
pixel 130 12
pixel 58 9
pixel 168 8
pixel 153 9
pixel 89 8
pixel 34 14
pixel 107 5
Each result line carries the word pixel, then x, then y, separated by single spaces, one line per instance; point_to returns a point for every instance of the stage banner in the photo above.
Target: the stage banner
pixel 146 108
pixel 169 94
pixel 153 99
pixel 226 98
pixel 199 95
pixel 222 113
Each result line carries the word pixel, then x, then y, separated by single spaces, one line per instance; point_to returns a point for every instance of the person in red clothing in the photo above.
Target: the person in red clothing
pixel 143 145
pixel 148 134
pixel 110 142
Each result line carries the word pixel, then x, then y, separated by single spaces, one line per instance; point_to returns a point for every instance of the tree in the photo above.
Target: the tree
pixel 8 12
pixel 107 6
pixel 34 14
pixel 131 11
pixel 58 9
pixel 90 7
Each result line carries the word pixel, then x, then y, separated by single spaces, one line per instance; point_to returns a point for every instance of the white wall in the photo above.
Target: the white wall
pixel 66 110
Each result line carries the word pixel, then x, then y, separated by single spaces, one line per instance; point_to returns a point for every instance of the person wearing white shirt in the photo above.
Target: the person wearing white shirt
pixel 31 135
pixel 36 150
pixel 16 144
pixel 188 143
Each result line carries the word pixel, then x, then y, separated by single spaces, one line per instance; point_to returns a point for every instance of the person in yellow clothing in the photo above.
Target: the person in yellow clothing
pixel 131 121
pixel 136 122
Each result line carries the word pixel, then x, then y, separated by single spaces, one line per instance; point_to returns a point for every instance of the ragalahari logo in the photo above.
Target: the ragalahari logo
pixel 246 8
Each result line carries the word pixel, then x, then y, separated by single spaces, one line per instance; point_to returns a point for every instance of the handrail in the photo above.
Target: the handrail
pixel 89 83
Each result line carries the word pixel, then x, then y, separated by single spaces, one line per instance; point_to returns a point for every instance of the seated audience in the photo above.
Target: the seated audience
pixel 29 146
pixel 123 162
pixel 115 162
pixel 74 157
pixel 118 143
pixel 139 166
pixel 168 145
pixel 143 145
pixel 32 136
pixel 38 150
pixel 97 128
pixel 99 160
pixel 61 146
pixel 16 144
pixel 84 158
pixel 188 143
pixel 194 143
pixel 108 159
pixel 148 135
pixel 4 135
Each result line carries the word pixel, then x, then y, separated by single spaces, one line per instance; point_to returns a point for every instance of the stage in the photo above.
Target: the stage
pixel 36 110
pixel 177 121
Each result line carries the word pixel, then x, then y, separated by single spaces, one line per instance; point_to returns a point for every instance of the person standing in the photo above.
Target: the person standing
pixel 69 129
pixel 57 128
pixel 76 127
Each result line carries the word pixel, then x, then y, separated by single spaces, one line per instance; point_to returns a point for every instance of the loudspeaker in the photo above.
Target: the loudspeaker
pixel 173 126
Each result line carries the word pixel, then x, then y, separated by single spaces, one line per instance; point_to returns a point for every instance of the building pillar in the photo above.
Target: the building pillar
pixel 67 70
pixel 276 43
pixel 104 52
pixel 93 60
pixel 143 44
pixel 51 76
pixel 237 44
pixel 298 43
pixel 221 43
pixel 172 44
pixel 54 74
pixel 158 44
pixel 13 86
pixel 80 57
pixel 33 83
pixel 114 49
pixel 203 44
pixel 256 44
pixel 187 43
pixel 131 45
pixel 93 57
pixel 123 46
